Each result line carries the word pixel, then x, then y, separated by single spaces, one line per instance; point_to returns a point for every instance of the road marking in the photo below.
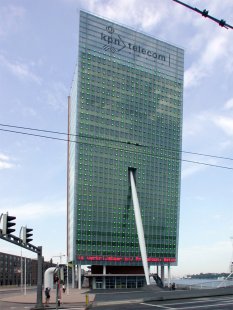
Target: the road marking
pixel 158 306
pixel 200 300
pixel 205 306
pixel 226 302
pixel 73 308
pixel 107 293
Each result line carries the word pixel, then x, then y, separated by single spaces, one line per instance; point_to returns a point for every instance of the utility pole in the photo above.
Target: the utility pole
pixel 231 264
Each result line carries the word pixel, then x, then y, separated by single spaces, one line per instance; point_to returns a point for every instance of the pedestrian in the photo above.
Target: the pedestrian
pixel 173 286
pixel 47 296
pixel 64 288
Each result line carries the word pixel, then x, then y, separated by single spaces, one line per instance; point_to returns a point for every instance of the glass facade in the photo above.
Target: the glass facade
pixel 125 112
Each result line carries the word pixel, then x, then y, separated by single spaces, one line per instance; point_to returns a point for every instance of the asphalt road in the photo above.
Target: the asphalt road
pixel 207 303
pixel 15 291
pixel 14 306
pixel 17 306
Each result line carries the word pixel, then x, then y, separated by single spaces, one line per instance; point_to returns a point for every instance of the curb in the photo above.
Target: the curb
pixel 61 307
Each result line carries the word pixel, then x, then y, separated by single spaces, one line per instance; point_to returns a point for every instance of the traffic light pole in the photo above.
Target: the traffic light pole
pixel 17 241
pixel 39 301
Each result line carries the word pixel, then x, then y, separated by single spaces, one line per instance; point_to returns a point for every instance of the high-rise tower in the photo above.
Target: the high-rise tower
pixel 125 117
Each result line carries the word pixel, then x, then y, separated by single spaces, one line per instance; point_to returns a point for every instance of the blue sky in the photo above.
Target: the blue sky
pixel 38 54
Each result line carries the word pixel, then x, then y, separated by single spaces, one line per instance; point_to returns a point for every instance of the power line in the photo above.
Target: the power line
pixel 131 151
pixel 205 14
pixel 104 139
pixel 206 164
pixel 71 135
pixel 34 135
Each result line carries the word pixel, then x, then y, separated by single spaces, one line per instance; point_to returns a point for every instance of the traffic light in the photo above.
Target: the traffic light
pixel 62 278
pixel 7 223
pixel 27 234
pixel 56 275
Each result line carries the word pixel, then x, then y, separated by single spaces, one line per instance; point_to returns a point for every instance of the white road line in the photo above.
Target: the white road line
pixel 205 306
pixel 105 293
pixel 169 306
pixel 73 308
pixel 158 306
pixel 199 301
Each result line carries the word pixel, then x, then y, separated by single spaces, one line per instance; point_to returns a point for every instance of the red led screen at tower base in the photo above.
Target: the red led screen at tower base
pixel 125 259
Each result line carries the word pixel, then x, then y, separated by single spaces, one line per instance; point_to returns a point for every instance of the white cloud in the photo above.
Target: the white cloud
pixel 204 121
pixel 37 210
pixel 143 15
pixel 226 144
pixel 216 50
pixel 194 163
pixel 207 258
pixel 191 169
pixel 56 96
pixel 225 123
pixel 19 69
pixel 193 75
pixel 194 125
pixel 10 17
pixel 5 165
pixel 218 8
pixel 5 162
pixel 3 157
pixel 229 104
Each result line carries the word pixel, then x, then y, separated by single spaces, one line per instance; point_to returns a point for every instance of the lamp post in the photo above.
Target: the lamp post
pixel 231 264
pixel 60 256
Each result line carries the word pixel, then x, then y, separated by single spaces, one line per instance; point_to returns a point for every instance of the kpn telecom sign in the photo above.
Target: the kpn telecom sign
pixel 115 43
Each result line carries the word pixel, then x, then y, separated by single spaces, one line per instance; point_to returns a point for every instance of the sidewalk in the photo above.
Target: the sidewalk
pixel 75 297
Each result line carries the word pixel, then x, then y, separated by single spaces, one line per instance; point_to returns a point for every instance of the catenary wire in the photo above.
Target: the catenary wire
pixel 110 140
pixel 139 152
pixel 205 14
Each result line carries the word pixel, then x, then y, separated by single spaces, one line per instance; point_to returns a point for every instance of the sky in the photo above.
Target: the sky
pixel 38 54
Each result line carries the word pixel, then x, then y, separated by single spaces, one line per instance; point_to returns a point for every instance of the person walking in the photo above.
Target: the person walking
pixel 64 288
pixel 47 296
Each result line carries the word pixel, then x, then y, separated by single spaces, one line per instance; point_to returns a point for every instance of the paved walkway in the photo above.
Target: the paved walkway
pixel 74 296
pixel 77 297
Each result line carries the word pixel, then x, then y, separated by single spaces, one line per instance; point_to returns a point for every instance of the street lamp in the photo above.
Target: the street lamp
pixel 60 256
pixel 231 264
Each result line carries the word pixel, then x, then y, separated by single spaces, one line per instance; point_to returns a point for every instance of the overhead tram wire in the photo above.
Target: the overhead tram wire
pixel 205 14
pixel 72 135
pixel 130 151
pixel 105 139
pixel 34 135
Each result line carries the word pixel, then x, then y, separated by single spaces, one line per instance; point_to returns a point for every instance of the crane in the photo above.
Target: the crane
pixel 205 13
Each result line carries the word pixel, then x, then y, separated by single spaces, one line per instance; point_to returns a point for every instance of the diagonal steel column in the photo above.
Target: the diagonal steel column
pixel 139 226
